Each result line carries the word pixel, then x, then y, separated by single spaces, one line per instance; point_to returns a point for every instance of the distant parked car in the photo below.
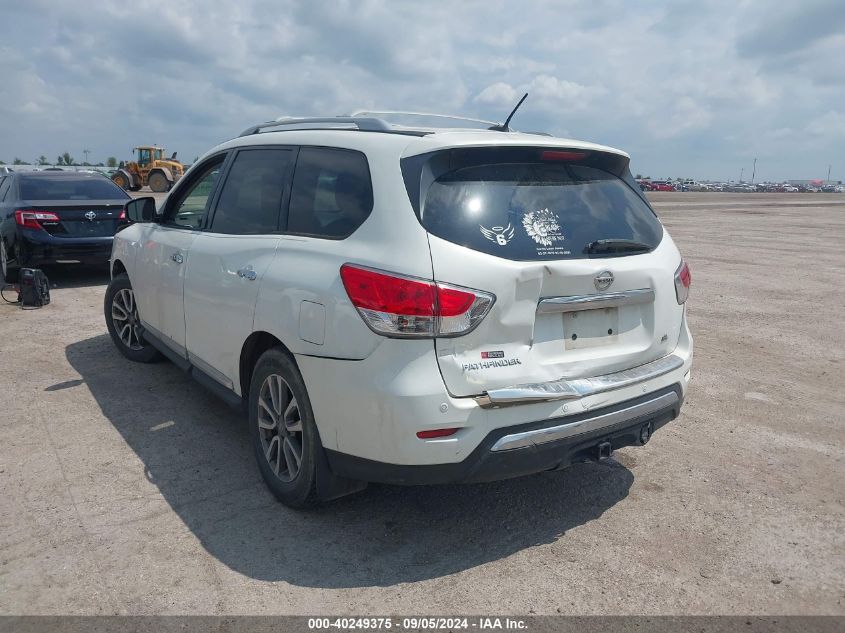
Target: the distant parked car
pixel 56 218
pixel 660 185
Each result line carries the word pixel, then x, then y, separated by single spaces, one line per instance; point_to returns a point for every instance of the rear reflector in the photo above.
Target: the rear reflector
pixel 31 218
pixel 562 155
pixel 683 279
pixel 394 305
pixel 427 435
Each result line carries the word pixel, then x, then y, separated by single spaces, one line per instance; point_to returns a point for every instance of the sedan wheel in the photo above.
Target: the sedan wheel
pixel 280 428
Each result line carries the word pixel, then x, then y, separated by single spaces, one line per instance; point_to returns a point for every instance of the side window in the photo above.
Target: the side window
pixel 332 193
pixel 252 194
pixel 5 183
pixel 188 210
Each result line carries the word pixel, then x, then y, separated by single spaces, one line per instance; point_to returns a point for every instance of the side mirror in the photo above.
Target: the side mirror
pixel 140 209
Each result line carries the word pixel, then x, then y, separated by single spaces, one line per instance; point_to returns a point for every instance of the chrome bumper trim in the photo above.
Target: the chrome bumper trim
pixel 580 387
pixel 575 303
pixel 562 431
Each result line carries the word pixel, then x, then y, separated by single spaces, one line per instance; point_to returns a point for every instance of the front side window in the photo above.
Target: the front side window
pixel 188 209
pixel 251 199
pixel 332 192
pixel 537 211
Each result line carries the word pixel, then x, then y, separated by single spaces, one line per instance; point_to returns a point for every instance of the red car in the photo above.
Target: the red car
pixel 659 185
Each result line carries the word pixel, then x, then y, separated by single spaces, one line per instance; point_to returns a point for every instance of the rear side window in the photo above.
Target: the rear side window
pixel 332 192
pixel 251 199
pixel 86 188
pixel 536 211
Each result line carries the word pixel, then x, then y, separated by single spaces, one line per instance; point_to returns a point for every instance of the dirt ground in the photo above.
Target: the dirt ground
pixel 130 489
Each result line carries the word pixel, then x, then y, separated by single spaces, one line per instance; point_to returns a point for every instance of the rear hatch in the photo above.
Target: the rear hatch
pixel 74 206
pixel 582 270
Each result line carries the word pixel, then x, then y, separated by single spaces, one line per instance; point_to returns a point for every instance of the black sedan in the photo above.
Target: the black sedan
pixel 57 217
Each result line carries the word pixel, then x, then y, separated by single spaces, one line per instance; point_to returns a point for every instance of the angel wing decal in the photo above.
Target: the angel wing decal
pixel 499 234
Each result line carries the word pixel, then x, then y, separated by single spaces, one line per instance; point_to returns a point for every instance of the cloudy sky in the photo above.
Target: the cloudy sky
pixel 691 88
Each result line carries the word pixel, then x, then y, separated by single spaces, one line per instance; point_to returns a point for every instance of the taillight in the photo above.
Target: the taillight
pixel 683 279
pixel 394 305
pixel 122 215
pixel 32 219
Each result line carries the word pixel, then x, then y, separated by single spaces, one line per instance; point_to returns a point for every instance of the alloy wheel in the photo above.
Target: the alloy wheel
pixel 124 314
pixel 280 427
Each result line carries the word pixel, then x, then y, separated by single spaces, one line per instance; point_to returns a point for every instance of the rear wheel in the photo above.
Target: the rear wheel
pixel 158 182
pixel 284 435
pixel 123 323
pixel 9 271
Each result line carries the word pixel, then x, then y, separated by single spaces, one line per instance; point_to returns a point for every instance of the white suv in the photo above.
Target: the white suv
pixel 410 305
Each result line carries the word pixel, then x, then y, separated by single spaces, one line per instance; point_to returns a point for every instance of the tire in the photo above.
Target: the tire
pixel 121 180
pixel 120 300
pixel 274 456
pixel 158 182
pixel 8 271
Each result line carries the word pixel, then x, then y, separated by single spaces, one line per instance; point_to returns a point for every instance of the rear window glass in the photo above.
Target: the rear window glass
pixel 332 192
pixel 87 188
pixel 536 211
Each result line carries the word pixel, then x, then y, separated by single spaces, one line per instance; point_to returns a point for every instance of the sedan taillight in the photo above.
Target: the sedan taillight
pixel 399 306
pixel 32 219
pixel 683 279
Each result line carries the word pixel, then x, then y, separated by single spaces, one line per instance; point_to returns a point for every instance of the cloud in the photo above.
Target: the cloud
pixel 688 87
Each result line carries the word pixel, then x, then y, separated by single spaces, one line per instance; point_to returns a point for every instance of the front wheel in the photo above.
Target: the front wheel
pixel 284 434
pixel 123 323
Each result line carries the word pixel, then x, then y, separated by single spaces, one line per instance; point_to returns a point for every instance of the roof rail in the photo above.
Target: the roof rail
pixel 421 114
pixel 363 124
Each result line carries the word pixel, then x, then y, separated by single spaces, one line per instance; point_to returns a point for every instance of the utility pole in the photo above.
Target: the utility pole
pixel 86 152
pixel 828 174
pixel 754 171
pixel 741 171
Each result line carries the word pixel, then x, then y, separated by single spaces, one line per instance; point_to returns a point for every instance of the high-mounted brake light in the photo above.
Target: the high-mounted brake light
pixel 394 305
pixel 32 219
pixel 562 155
pixel 683 279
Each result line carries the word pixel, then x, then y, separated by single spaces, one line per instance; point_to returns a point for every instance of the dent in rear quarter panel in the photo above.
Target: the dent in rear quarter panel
pixel 308 268
pixel 125 248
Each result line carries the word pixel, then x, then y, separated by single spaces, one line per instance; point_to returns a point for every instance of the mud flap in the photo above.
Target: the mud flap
pixel 329 485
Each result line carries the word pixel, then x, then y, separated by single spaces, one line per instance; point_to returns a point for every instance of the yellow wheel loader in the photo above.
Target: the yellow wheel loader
pixel 151 169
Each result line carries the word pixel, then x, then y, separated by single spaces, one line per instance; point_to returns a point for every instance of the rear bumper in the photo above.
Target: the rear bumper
pixel 39 248
pixel 531 448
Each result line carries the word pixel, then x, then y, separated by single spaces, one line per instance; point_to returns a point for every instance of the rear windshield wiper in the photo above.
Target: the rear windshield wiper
pixel 617 246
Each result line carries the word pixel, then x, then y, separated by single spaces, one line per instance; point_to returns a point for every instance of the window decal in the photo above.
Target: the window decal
pixel 499 234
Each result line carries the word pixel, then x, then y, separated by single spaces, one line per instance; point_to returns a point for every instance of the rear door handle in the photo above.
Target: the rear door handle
pixel 247 273
pixel 177 257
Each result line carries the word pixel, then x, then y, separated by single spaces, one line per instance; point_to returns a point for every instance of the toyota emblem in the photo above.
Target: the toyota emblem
pixel 603 280
pixel 91 215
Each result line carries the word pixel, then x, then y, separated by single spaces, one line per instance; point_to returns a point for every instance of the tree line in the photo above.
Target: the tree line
pixel 64 159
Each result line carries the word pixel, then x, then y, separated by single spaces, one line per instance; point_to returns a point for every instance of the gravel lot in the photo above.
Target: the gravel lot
pixel 129 489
